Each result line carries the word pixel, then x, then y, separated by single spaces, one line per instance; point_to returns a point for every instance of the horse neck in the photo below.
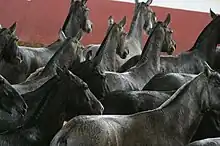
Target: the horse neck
pixel 135 31
pixel 62 58
pixel 206 43
pixel 55 45
pixel 51 106
pixel 186 106
pixel 149 63
pixel 109 55
pixel 71 26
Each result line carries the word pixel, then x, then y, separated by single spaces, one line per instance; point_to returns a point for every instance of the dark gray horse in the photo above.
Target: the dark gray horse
pixel 101 82
pixel 143 17
pixel 204 49
pixel 77 18
pixel 171 124
pixel 91 49
pixel 175 80
pixel 206 142
pixel 12 106
pixel 18 62
pixel 71 51
pixel 133 61
pixel 68 53
pixel 62 97
pixel 113 43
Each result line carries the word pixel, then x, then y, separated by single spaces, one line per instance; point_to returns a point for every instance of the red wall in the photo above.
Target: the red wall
pixel 40 20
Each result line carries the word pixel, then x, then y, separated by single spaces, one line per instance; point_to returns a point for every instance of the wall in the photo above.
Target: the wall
pixel 40 20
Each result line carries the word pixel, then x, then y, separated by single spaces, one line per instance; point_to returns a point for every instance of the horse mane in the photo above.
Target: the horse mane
pixel 71 10
pixel 205 32
pixel 67 19
pixel 53 62
pixel 102 45
pixel 146 46
pixel 136 14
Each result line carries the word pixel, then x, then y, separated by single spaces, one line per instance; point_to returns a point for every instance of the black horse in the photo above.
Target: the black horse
pixel 60 98
pixel 12 106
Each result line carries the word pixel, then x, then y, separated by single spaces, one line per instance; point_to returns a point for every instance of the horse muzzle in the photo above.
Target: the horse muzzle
pixel 172 49
pixel 88 26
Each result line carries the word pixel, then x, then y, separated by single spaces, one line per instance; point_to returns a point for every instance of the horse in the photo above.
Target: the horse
pixel 113 43
pixel 172 123
pixel 206 142
pixel 60 98
pixel 101 82
pixel 143 18
pixel 69 52
pixel 18 62
pixel 12 106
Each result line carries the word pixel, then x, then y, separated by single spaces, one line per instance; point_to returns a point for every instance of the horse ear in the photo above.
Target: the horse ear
pixel 62 35
pixel 12 28
pixel 84 2
pixel 110 21
pixel 167 20
pixel 149 2
pixel 122 22
pixel 212 14
pixel 207 69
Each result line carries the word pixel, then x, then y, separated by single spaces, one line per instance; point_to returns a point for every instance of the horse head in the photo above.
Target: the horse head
pixel 83 99
pixel 78 18
pixel 8 45
pixel 169 45
pixel 149 15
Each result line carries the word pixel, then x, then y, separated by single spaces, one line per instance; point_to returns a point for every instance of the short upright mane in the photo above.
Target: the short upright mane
pixel 136 14
pixel 205 32
pixel 67 20
pixel 149 39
